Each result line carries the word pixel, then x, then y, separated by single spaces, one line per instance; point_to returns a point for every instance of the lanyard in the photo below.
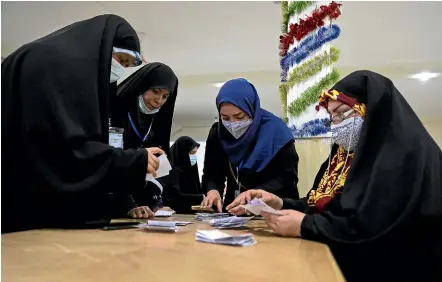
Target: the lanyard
pixel 136 130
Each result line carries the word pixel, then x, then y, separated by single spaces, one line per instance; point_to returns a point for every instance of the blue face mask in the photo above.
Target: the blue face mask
pixel 193 159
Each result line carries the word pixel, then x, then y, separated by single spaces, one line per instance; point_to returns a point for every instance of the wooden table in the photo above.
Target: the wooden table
pixel 133 255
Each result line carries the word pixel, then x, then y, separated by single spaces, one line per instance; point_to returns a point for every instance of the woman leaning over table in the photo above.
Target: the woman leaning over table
pixel 250 147
pixel 377 200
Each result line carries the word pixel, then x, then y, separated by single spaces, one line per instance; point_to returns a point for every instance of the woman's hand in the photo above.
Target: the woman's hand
pixel 245 197
pixel 213 198
pixel 288 224
pixel 166 209
pixel 141 212
pixel 153 163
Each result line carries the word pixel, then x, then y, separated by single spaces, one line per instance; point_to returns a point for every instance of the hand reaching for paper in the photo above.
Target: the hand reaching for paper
pixel 153 163
pixel 288 224
pixel 213 198
pixel 141 212
pixel 245 197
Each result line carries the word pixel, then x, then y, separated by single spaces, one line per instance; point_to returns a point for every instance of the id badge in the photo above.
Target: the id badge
pixel 116 137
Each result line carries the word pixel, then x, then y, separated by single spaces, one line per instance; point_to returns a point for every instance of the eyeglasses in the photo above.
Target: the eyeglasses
pixel 341 116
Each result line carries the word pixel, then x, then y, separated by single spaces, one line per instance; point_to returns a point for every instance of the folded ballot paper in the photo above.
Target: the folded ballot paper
pixel 218 237
pixel 256 206
pixel 230 222
pixel 163 169
pixel 210 216
pixel 161 213
pixel 163 226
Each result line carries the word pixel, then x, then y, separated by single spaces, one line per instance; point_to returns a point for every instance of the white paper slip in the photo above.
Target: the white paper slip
pixel 209 216
pixel 218 237
pixel 161 213
pixel 256 206
pixel 157 225
pixel 163 169
pixel 183 223
pixel 161 223
pixel 160 229
pixel 230 222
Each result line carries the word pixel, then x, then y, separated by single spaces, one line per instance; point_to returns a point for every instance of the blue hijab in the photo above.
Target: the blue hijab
pixel 266 135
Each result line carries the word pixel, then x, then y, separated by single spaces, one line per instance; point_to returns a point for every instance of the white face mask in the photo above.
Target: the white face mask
pixel 193 159
pixel 117 71
pixel 347 133
pixel 144 109
pixel 237 128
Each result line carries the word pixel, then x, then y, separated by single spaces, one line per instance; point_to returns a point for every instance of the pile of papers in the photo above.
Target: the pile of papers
pixel 161 213
pixel 218 237
pixel 163 226
pixel 210 216
pixel 230 222
pixel 256 206
pixel 163 169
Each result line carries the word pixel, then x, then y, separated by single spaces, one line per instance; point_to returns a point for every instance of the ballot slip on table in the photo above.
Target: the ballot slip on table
pixel 230 222
pixel 209 216
pixel 161 213
pixel 218 237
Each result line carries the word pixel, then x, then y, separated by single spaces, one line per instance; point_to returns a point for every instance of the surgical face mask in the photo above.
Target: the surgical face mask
pixel 193 159
pixel 117 71
pixel 347 133
pixel 237 128
pixel 144 109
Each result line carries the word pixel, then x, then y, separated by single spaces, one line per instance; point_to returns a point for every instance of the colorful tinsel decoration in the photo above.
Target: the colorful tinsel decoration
pixel 305 26
pixel 311 128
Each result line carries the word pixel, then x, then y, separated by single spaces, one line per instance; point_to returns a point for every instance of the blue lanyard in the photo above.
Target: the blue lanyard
pixel 136 130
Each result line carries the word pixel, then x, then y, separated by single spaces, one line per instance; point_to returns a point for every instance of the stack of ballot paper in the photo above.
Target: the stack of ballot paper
pixel 163 169
pixel 209 216
pixel 256 206
pixel 218 237
pixel 161 213
pixel 230 222
pixel 157 225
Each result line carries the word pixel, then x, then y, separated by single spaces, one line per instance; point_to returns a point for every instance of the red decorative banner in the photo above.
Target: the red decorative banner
pixel 298 31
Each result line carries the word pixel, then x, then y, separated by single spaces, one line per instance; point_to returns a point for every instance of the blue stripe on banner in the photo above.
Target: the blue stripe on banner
pixel 311 128
pixel 311 43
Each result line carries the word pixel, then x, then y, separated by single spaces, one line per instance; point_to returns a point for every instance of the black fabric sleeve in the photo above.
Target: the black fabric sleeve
pixel 285 163
pixel 130 203
pixel 173 193
pixel 215 163
pixel 64 126
pixel 298 205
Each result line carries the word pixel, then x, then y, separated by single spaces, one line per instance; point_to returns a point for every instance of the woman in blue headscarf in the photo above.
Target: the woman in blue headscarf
pixel 250 148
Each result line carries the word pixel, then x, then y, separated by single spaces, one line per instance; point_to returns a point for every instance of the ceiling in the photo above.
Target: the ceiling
pixel 210 42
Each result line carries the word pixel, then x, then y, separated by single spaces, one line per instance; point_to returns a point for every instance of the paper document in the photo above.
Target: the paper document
pixel 230 222
pixel 209 216
pixel 163 169
pixel 157 225
pixel 256 206
pixel 218 237
pixel 161 213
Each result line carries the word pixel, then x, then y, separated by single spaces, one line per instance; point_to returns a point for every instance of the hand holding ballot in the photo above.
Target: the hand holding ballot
pixel 153 163
pixel 268 198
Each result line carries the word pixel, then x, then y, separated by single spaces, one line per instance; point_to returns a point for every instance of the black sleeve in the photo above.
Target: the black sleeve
pixel 64 132
pixel 130 203
pixel 285 168
pixel 173 193
pixel 215 163
pixel 298 205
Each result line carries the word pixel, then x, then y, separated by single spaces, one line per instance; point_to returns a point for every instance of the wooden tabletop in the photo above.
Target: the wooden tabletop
pixel 133 255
